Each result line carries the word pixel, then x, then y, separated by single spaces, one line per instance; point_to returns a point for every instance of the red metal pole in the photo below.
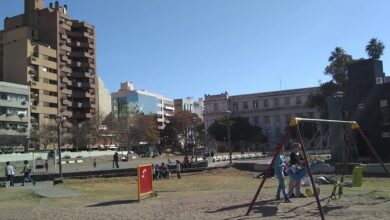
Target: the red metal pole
pixel 372 150
pixel 309 171
pixel 268 171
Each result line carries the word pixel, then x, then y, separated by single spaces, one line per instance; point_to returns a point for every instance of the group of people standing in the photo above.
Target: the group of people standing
pixel 280 167
pixel 10 173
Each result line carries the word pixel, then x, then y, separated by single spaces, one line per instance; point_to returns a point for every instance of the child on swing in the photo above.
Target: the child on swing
pixel 294 186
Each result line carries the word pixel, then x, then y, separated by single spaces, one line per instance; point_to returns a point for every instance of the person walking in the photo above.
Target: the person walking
pixel 296 160
pixel 10 173
pixel 94 162
pixel 115 160
pixel 279 174
pixel 47 166
pixel 27 173
pixel 178 169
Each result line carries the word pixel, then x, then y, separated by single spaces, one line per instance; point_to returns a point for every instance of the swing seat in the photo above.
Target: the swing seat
pixel 298 174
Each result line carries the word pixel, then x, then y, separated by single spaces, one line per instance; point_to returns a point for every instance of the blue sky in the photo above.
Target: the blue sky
pixel 183 48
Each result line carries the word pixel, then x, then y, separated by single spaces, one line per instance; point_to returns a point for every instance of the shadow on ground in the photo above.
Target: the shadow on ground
pixel 265 208
pixel 119 202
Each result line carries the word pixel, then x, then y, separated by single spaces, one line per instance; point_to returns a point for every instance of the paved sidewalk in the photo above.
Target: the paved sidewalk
pixel 47 189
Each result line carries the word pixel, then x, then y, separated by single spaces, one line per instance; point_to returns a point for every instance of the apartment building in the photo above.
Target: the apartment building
pixel 270 110
pixel 104 100
pixel 188 104
pixel 129 101
pixel 54 54
pixel 14 116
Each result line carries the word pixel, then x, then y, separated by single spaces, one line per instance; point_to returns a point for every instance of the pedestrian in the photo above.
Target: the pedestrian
pixel 278 169
pixel 10 173
pixel 178 169
pixel 27 173
pixel 115 160
pixel 296 160
pixel 94 162
pixel 46 166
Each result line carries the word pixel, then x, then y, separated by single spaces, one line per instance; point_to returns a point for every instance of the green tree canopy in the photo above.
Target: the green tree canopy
pixel 375 48
pixel 241 130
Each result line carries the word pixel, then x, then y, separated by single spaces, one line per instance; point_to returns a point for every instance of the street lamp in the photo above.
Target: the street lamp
pixel 227 115
pixel 59 120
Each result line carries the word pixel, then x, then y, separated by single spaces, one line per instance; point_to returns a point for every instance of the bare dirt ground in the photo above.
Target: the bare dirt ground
pixel 216 194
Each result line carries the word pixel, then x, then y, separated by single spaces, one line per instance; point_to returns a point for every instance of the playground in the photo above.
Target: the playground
pixel 214 194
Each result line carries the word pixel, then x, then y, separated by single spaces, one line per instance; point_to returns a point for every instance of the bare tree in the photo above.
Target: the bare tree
pixel 44 135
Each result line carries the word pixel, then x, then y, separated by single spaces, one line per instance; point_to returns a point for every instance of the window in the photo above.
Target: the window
pixel 255 104
pixel 287 101
pixel 384 111
pixel 235 105
pixel 265 102
pixel 298 100
pixel 245 104
pixel 266 119
pixel 256 120
pixel 276 102
pixel 215 107
pixel 44 69
pixel 288 118
pixel 277 119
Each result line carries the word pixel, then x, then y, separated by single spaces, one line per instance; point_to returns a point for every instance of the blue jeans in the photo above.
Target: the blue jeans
pixel 281 186
pixel 115 164
pixel 11 179
pixel 27 178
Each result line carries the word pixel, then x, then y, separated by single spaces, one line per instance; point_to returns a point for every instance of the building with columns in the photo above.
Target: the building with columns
pixel 270 110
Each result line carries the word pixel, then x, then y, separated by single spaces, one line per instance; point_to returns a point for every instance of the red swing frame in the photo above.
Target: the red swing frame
pixel 294 124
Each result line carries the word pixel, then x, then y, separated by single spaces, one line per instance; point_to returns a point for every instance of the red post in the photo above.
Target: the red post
pixel 372 150
pixel 309 171
pixel 267 172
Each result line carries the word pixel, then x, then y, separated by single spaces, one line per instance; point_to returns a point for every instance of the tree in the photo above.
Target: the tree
pixel 186 129
pixel 375 48
pixel 137 128
pixel 241 131
pixel 44 135
pixel 337 68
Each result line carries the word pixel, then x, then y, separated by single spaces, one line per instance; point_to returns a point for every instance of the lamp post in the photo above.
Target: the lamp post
pixel 59 120
pixel 227 115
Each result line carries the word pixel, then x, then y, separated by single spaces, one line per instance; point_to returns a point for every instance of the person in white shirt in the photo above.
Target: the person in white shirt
pixel 10 173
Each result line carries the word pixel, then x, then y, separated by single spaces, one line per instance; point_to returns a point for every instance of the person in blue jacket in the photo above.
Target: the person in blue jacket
pixel 279 166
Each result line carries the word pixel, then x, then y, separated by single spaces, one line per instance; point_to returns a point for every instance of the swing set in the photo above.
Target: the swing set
pixel 294 125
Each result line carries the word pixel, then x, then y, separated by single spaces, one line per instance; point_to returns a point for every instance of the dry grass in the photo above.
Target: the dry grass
pixel 205 192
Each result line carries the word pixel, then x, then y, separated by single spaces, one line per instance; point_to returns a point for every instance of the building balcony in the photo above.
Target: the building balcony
pixel 66 102
pixel 14 132
pixel 46 98
pixel 82 75
pixel 82 24
pixel 80 34
pixel 80 115
pixel 14 104
pixel 66 113
pixel 14 118
pixel 34 60
pixel 82 44
pixel 82 54
pixel 44 110
pixel 66 91
pixel 82 95
pixel 83 105
pixel 169 108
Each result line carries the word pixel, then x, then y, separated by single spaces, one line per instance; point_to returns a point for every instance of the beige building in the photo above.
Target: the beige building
pixel 47 50
pixel 270 110
pixel 104 100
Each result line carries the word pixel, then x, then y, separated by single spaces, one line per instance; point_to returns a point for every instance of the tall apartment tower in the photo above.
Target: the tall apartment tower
pixel 54 55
